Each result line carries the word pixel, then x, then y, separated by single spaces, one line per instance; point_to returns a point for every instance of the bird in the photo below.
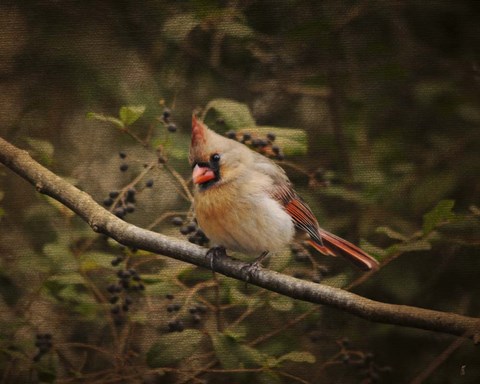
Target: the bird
pixel 245 202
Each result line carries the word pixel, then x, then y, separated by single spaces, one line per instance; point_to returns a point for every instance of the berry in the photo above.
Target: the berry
pixel 276 149
pixel 125 308
pixel 176 307
pixel 197 318
pixel 231 135
pixel 246 136
pixel 122 154
pixel 119 212
pixel 130 197
pixel 169 296
pixel 113 194
pixel 271 136
pixel 128 300
pixel 166 113
pixel 115 310
pixel 123 167
pixel 149 183
pixel 112 288
pixel 177 221
pixel 113 299
pixel 172 127
pixel 192 226
pixel 108 202
pixel 170 308
pixel 130 207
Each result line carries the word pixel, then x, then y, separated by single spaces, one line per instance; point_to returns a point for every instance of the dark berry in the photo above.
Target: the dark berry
pixel 149 183
pixel 271 136
pixel 177 221
pixel 108 202
pixel 172 326
pixel 176 307
pixel 141 287
pixel 192 226
pixel 122 154
pixel 179 326
pixel 192 310
pixel 196 318
pixel 116 261
pixel 169 296
pixel 130 207
pixel 201 308
pixel 170 308
pixel 192 239
pixel 276 149
pixel 166 113
pixel 280 156
pixel 246 137
pixel 123 167
pixel 112 288
pixel 231 135
pixel 113 194
pixel 125 307
pixel 113 299
pixel 37 357
pixel 119 212
pixel 172 127
pixel 115 310
pixel 128 300
pixel 131 194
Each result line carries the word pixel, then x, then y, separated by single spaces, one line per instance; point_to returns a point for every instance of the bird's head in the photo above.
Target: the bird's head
pixel 215 159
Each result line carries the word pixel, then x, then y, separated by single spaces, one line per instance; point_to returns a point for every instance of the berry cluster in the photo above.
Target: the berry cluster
pixel 193 317
pixel 264 145
pixel 195 234
pixel 129 281
pixel 44 343
pixel 166 119
pixel 123 202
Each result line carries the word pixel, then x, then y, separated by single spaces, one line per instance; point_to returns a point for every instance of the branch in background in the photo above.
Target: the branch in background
pixel 105 222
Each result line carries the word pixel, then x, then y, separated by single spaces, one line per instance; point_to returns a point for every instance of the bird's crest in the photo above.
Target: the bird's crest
pixel 199 131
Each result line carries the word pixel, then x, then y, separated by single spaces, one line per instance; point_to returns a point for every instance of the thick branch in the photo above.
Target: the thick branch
pixel 104 222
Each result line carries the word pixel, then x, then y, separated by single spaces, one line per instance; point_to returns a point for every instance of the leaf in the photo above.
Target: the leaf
pixel 173 347
pixel 298 357
pixel 130 114
pixel 281 303
pixel 235 29
pixel 441 214
pixel 108 119
pixel 177 28
pixel 95 260
pixel 42 149
pixel 391 233
pixel 234 115
pixel 292 142
pixel 418 245
pixel 232 354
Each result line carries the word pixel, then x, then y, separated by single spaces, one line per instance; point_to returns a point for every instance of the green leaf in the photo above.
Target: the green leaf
pixel 109 119
pixel 177 28
pixel 130 114
pixel 95 260
pixel 298 357
pixel 42 149
pixel 293 142
pixel 281 303
pixel 235 29
pixel 441 214
pixel 418 245
pixel 173 347
pixel 391 233
pixel 232 354
pixel 234 115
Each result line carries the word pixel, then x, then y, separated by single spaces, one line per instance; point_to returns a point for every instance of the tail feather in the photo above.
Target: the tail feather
pixel 334 245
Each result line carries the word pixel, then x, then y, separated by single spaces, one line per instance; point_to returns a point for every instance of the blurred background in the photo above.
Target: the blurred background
pixel 375 109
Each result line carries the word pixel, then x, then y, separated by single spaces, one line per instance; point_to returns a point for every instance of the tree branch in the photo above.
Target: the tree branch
pixel 105 222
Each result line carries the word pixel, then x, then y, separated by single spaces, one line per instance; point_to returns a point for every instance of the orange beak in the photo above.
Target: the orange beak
pixel 201 175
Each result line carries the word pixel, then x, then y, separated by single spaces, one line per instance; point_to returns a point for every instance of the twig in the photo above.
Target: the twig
pixel 105 222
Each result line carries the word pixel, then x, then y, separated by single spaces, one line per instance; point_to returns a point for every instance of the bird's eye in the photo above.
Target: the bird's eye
pixel 215 158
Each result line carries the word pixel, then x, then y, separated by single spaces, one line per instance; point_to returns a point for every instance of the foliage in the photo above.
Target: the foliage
pixel 371 108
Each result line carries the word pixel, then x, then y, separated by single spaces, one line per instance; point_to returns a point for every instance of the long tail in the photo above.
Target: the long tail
pixel 334 245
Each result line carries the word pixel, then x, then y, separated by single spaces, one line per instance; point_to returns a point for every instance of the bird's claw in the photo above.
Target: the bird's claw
pixel 249 270
pixel 213 253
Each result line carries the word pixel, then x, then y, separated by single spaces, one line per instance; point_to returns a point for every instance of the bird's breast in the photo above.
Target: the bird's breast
pixel 243 218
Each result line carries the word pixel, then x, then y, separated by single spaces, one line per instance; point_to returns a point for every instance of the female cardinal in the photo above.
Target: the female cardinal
pixel 245 202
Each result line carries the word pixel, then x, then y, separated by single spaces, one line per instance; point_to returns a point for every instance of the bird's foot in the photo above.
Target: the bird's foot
pixel 254 267
pixel 214 253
